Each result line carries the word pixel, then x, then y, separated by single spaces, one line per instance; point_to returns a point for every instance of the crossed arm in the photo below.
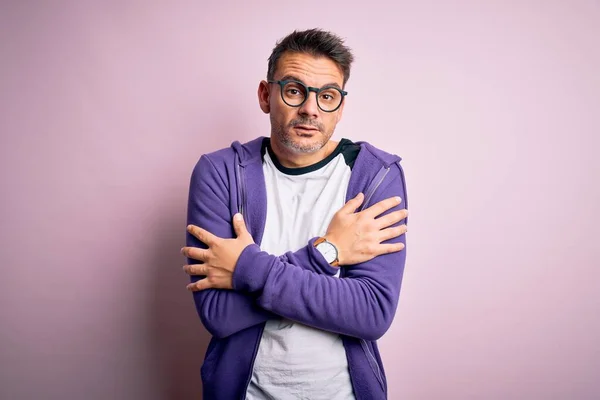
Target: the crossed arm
pixel 297 285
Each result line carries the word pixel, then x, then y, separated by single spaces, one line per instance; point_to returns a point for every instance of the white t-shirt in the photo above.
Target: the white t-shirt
pixel 295 361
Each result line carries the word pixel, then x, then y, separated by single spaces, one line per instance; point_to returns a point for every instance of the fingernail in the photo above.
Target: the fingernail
pixel 237 217
pixel 398 199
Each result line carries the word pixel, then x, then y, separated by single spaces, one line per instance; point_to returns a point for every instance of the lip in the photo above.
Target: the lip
pixel 306 128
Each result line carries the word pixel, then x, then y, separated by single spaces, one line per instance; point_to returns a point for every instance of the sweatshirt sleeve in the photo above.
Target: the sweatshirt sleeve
pixel 309 258
pixel 224 312
pixel 361 304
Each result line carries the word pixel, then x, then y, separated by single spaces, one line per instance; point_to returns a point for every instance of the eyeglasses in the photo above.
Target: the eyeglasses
pixel 294 94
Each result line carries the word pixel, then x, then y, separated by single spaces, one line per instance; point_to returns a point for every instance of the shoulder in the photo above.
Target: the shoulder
pixel 225 158
pixel 388 166
pixel 371 160
pixel 377 161
pixel 382 156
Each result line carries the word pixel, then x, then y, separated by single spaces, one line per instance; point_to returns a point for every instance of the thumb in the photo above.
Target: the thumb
pixel 353 204
pixel 239 225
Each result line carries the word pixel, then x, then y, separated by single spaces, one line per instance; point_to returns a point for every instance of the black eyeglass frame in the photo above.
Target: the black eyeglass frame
pixel 308 90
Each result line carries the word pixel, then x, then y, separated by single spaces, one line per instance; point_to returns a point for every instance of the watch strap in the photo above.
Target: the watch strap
pixel 319 241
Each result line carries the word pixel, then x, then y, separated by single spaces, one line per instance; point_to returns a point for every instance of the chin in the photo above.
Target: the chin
pixel 303 144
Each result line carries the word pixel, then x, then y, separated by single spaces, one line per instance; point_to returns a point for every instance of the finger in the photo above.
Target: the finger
pixel 352 205
pixel 203 235
pixel 382 206
pixel 195 253
pixel 196 269
pixel 239 225
pixel 391 233
pixel 390 248
pixel 201 284
pixel 391 218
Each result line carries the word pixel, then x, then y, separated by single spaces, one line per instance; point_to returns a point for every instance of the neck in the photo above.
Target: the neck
pixel 290 159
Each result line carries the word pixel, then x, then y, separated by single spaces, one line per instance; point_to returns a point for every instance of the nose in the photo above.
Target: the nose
pixel 309 107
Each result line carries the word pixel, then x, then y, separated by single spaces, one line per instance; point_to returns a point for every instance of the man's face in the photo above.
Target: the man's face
pixel 307 128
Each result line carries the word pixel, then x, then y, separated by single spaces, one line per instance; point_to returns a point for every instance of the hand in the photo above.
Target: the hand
pixel 220 259
pixel 358 236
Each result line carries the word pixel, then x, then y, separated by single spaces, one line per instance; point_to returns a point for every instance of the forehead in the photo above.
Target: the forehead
pixel 313 71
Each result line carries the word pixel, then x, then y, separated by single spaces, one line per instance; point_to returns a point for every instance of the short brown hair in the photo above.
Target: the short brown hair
pixel 315 42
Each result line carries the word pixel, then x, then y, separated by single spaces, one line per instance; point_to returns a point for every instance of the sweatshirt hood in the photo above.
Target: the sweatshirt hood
pixel 248 152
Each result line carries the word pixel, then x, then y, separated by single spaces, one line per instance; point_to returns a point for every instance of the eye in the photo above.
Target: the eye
pixel 292 89
pixel 329 95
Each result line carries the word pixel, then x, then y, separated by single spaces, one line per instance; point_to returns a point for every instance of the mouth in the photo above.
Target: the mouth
pixel 306 129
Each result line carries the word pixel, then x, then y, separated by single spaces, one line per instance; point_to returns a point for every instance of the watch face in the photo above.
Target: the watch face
pixel 328 250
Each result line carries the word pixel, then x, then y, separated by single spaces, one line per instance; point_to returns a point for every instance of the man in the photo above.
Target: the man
pixel 298 288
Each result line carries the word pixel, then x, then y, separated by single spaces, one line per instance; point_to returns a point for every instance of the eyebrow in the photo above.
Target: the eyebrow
pixel 295 78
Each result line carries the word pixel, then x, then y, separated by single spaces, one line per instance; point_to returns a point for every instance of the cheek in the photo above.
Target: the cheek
pixel 331 121
pixel 277 119
pixel 275 106
pixel 283 114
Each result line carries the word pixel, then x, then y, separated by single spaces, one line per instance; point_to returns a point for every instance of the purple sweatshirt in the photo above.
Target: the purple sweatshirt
pixel 300 286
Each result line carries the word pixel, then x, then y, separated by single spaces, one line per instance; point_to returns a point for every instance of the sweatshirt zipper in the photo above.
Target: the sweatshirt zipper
pixel 372 357
pixel 374 186
pixel 253 361
pixel 241 191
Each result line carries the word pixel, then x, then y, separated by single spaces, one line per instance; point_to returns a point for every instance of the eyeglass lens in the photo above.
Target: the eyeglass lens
pixel 294 94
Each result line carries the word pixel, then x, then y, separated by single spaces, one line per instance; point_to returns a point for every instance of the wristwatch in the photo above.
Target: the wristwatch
pixel 328 250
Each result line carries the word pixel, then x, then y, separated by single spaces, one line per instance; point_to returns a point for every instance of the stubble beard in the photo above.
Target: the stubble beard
pixel 285 138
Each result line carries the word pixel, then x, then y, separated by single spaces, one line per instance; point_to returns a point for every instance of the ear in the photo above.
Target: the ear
pixel 263 97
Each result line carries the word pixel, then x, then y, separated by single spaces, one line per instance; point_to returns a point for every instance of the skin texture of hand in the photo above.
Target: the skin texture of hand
pixel 358 235
pixel 220 259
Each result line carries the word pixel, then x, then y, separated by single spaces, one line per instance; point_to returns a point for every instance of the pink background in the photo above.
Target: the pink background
pixel 106 106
